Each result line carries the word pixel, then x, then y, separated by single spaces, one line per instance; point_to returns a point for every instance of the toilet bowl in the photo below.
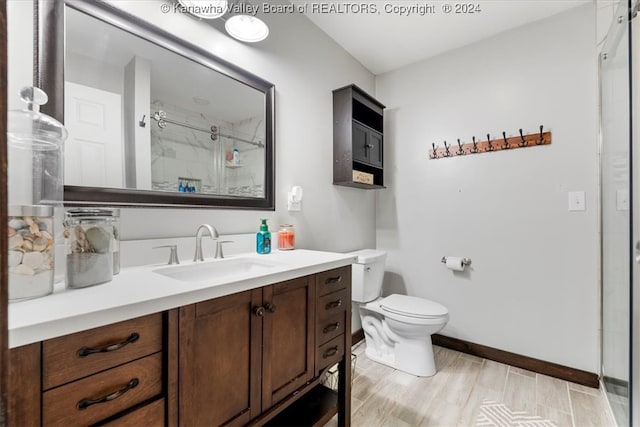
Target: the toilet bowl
pixel 397 328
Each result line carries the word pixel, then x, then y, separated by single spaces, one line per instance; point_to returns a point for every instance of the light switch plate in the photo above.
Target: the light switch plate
pixel 577 201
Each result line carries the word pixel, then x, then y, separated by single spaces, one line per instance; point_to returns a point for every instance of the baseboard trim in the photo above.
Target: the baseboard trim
pixel 357 336
pixel 566 373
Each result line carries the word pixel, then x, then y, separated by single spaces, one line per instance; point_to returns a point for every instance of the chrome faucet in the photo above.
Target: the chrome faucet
pixel 212 232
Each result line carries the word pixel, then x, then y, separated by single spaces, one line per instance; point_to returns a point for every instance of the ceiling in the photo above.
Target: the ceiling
pixel 385 40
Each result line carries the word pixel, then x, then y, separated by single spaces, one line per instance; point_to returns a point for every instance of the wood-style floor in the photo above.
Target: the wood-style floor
pixel 382 396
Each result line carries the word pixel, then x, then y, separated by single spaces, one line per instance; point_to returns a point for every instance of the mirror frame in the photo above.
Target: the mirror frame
pixel 50 76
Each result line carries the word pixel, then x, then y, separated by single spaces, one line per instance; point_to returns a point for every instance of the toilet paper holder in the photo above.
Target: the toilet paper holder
pixel 465 261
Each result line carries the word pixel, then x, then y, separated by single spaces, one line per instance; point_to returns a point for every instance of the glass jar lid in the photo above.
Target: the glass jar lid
pixel 30 210
pixel 29 128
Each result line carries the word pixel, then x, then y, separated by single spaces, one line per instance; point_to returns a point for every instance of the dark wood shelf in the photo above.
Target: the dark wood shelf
pixel 315 408
pixel 358 139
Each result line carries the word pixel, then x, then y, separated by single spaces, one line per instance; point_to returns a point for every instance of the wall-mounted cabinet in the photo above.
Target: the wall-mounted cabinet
pixel 357 139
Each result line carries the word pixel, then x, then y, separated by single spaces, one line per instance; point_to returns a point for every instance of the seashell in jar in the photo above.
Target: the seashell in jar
pixel 40 244
pixel 27 245
pixel 15 241
pixel 15 258
pixel 99 240
pixel 17 224
pixel 33 228
pixel 11 231
pixel 33 260
pixel 28 220
pixel 24 269
pixel 46 235
pixel 42 226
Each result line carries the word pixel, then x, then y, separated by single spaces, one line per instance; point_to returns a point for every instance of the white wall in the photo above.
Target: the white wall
pixel 533 286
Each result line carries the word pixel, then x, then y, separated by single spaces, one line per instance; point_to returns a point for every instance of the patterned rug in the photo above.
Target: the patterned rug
pixel 494 414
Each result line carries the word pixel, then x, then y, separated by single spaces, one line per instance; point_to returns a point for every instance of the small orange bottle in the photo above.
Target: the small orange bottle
pixel 286 237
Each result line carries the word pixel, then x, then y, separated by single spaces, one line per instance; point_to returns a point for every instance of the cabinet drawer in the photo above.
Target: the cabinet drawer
pixel 330 353
pixel 78 403
pixel 84 353
pixel 332 304
pixel 333 280
pixel 330 327
pixel 150 415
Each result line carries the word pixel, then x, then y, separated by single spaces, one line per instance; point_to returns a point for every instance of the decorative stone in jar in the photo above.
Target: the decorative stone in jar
pixel 31 251
pixel 90 256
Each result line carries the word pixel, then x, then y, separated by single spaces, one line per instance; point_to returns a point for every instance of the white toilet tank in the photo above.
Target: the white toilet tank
pixel 367 275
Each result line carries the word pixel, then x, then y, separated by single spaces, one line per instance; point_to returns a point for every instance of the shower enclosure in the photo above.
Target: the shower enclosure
pixel 619 209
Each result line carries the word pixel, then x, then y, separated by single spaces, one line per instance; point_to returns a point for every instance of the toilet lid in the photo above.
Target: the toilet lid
pixel 413 306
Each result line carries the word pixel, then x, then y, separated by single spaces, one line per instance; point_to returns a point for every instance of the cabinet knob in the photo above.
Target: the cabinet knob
pixel 368 145
pixel 259 311
pixel 271 308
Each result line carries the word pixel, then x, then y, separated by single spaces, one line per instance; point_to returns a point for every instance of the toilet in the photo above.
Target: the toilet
pixel 397 328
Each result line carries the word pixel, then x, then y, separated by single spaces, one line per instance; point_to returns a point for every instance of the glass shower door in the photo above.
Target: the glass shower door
pixel 615 161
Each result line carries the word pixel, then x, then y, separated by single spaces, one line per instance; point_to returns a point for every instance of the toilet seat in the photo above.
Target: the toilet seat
pixel 413 307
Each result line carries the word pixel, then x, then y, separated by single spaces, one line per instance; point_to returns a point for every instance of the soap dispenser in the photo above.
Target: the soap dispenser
pixel 263 239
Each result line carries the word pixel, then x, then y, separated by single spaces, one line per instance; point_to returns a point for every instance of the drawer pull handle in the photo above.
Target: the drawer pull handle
pixel 85 403
pixel 330 352
pixel 333 304
pixel 331 328
pixel 332 280
pixel 86 351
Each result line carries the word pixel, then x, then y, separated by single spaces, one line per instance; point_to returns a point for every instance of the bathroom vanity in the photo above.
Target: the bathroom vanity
pixel 248 349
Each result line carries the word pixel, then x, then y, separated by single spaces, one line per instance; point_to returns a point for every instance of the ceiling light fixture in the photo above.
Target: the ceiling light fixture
pixel 205 9
pixel 245 27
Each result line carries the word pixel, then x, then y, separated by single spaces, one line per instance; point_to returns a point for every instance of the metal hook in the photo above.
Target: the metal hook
pixel 447 152
pixel 460 150
pixel 141 123
pixel 522 142
pixel 541 140
pixel 490 148
pixel 435 153
pixel 506 145
pixel 475 145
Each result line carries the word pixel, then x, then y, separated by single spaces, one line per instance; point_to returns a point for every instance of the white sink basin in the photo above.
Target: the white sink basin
pixel 216 269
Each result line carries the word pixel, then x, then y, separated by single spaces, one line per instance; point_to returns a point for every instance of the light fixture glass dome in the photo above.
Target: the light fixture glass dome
pixel 205 9
pixel 247 28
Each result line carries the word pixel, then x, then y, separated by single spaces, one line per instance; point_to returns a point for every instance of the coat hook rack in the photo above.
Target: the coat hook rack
pixel 141 123
pixel 522 140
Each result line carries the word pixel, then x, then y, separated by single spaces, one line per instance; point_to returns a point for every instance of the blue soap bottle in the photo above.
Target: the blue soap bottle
pixel 263 239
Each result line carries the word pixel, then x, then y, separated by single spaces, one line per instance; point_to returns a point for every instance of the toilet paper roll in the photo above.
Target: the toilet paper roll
pixel 455 263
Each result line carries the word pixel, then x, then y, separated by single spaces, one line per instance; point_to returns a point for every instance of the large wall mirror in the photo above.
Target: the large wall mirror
pixel 152 119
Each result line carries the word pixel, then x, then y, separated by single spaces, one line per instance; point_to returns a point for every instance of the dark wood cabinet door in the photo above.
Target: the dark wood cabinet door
pixel 374 140
pixel 220 347
pixel 288 352
pixel 360 141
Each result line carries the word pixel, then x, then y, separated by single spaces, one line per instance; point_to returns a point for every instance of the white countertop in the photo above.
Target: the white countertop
pixel 138 291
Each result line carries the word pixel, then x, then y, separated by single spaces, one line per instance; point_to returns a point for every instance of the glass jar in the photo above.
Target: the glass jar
pixel 90 246
pixel 31 251
pixel 286 237
pixel 35 187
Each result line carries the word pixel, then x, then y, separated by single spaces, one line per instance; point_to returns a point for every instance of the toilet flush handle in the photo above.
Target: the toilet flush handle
pixel 367 269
